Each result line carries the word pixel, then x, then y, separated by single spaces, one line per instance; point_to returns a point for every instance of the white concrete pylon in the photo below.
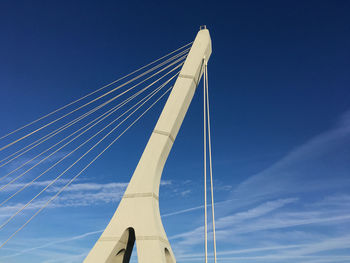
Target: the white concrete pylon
pixel 137 217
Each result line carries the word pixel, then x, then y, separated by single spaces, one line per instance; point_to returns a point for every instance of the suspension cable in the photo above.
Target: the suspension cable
pixel 97 120
pixel 205 170
pixel 88 95
pixel 58 177
pixel 149 96
pixel 210 159
pixel 76 176
pixel 86 104
pixel 90 112
pixel 38 142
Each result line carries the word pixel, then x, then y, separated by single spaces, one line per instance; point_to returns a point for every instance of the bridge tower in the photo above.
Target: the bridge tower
pixel 137 217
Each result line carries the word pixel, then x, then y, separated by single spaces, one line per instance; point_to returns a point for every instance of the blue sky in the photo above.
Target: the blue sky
pixel 280 103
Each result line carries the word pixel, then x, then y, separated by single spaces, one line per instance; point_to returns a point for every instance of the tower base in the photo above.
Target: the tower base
pixel 136 219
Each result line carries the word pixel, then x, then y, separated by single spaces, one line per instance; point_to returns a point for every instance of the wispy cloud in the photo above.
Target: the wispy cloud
pixel 267 219
pixel 195 236
pixel 260 224
pixel 80 194
pixel 313 166
pixel 52 243
pixel 76 195
pixel 266 216
pixel 255 212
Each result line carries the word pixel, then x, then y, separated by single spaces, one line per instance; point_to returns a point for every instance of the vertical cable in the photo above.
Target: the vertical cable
pixel 210 160
pixel 205 171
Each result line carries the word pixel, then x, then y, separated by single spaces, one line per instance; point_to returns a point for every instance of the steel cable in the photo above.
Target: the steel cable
pixel 105 86
pixel 55 132
pixel 80 107
pixel 75 177
pixel 67 155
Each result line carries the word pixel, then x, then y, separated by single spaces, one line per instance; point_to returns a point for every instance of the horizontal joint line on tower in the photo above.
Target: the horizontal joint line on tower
pixel 138 195
pixel 189 77
pixel 165 133
pixel 111 238
pixel 152 238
